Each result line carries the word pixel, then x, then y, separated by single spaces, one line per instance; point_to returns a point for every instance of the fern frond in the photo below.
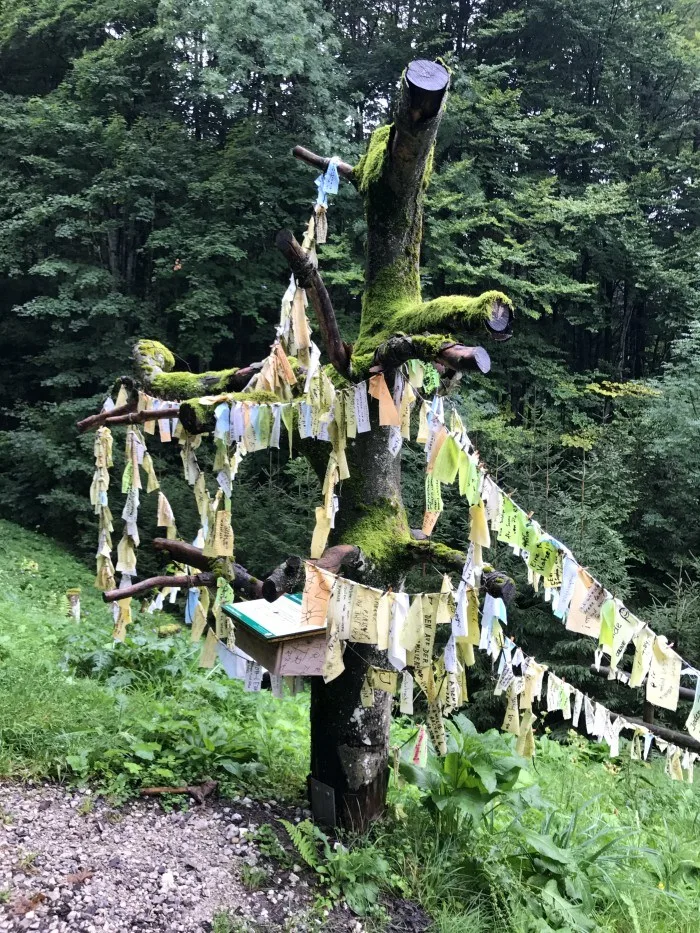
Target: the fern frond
pixel 302 840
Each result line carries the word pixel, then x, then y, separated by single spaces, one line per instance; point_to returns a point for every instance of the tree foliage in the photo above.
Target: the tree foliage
pixel 145 167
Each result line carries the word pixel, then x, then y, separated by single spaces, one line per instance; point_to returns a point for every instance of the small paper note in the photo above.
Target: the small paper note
pixel 361 408
pixel 664 675
pixel 406 703
pixel 388 414
pixel 363 626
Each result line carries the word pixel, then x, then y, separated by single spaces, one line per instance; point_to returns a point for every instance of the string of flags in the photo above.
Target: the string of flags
pixel 583 605
pixel 404 625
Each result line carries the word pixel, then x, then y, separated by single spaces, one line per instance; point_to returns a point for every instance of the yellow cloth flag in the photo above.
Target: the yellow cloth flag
pixel 316 596
pixel 511 720
pixel 413 624
pixel 446 463
pixel 643 648
pixel 579 620
pixel 321 532
pixel 383 680
pixel 199 622
pixel 384 620
pixel 363 621
pixel 165 513
pixel 525 744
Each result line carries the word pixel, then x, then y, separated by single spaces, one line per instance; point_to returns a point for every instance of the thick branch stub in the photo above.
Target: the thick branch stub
pixel 500 321
pixel 347 557
pixel 499 584
pixel 429 348
pixel 308 277
pixel 322 163
pixel 283 579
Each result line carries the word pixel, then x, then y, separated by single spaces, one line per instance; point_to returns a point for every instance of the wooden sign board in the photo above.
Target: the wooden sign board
pixel 274 636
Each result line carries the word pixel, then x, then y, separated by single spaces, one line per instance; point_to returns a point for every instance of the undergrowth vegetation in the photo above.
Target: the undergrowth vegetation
pixel 481 839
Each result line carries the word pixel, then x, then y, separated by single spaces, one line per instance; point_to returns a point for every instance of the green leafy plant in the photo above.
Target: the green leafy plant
pixel 356 874
pixel 563 865
pixel 253 877
pixel 268 844
pixel 479 770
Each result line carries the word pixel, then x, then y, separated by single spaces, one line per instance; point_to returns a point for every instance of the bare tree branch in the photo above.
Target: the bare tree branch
pixel 322 163
pixel 140 417
pixel 96 421
pixel 157 583
pixel 308 277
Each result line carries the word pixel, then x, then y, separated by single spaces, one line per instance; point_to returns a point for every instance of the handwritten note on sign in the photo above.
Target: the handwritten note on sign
pixel 363 626
pixel 303 657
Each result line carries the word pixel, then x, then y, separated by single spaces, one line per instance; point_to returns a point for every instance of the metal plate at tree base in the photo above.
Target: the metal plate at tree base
pixel 322 802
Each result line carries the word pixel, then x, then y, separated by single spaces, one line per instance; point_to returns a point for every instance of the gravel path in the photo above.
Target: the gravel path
pixel 69 862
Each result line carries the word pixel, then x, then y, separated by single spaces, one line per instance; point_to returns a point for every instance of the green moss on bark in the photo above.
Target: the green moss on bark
pixel 391 315
pixel 381 532
pixel 191 385
pixel 153 355
pixel 451 309
pixel 394 291
pixel 370 167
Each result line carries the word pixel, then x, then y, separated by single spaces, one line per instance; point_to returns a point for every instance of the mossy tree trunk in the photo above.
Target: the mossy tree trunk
pixel 349 742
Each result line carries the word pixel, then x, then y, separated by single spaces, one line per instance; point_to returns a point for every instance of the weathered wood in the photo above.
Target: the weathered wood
pixel 308 277
pixel 459 358
pixel 499 585
pixel 96 421
pixel 341 557
pixel 141 417
pixel 500 321
pixel 198 792
pixel 402 347
pixel 239 578
pixel 349 747
pixel 283 579
pixel 681 739
pixel 322 163
pixel 183 580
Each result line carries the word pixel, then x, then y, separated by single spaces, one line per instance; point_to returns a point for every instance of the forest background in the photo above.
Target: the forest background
pixel 145 168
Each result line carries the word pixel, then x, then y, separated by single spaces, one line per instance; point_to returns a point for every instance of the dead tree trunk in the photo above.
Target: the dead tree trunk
pixel 349 742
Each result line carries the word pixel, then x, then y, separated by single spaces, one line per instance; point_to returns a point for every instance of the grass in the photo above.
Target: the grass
pixel 598 845
pixel 73 705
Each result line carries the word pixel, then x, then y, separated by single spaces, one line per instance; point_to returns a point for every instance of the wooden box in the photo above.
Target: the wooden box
pixel 274 636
